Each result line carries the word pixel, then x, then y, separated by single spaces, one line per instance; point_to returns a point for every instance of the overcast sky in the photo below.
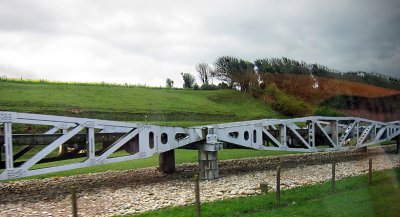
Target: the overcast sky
pixel 145 42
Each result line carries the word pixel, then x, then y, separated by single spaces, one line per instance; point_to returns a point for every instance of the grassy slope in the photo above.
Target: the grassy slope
pixel 154 105
pixel 131 103
pixel 353 198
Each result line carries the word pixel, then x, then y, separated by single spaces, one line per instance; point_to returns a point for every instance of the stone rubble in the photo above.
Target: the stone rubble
pixel 143 196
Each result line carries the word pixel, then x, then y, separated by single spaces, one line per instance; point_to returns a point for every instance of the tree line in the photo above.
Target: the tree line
pixel 246 76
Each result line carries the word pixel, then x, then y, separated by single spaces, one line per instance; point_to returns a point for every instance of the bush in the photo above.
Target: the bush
pixel 326 111
pixel 286 104
pixel 209 87
pixel 223 85
pixel 256 91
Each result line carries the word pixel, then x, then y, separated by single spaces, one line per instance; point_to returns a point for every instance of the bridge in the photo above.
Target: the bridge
pixel 37 144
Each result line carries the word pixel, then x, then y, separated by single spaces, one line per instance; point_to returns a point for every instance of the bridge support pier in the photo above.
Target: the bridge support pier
pixel 208 162
pixel 167 162
pixel 208 155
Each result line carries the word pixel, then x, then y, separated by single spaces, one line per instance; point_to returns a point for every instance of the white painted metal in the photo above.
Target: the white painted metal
pixel 298 134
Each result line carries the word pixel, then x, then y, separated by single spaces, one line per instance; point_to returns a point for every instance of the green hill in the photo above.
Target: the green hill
pixel 118 102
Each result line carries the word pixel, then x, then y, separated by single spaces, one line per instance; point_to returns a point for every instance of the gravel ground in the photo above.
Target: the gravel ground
pixel 130 192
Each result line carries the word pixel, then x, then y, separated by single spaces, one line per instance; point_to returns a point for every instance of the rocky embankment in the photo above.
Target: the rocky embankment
pixel 135 191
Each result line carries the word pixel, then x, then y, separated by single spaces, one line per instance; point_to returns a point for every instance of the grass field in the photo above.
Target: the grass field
pixel 353 197
pixel 155 105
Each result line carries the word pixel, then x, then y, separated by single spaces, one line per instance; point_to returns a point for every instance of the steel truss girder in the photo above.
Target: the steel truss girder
pixel 298 134
pixel 162 139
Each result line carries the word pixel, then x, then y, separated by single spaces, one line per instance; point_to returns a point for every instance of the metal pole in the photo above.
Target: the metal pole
pixel 197 192
pixel 74 202
pixel 333 177
pixel 398 145
pixel 278 185
pixel 370 172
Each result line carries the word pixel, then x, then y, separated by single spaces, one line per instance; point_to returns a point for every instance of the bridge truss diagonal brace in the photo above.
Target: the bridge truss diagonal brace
pixel 364 135
pixel 380 133
pixel 270 136
pixel 326 134
pixel 347 132
pixel 290 126
pixel 55 144
pixel 120 142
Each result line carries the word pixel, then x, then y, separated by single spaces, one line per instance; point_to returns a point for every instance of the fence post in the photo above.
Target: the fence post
pixel 197 193
pixel 264 187
pixel 74 202
pixel 398 145
pixel 370 172
pixel 278 185
pixel 333 177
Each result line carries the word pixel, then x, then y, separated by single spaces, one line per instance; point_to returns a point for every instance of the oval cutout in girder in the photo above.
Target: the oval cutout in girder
pixel 234 134
pixel 151 140
pixel 180 136
pixel 164 138
pixel 246 135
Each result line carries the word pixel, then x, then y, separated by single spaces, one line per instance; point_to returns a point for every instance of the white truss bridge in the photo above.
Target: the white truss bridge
pixel 66 143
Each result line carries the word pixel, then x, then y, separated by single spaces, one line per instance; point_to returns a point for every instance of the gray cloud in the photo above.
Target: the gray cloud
pixel 146 42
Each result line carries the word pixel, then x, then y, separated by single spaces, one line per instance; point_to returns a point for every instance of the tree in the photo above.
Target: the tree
pixel 235 72
pixel 188 80
pixel 224 70
pixel 205 72
pixel 169 82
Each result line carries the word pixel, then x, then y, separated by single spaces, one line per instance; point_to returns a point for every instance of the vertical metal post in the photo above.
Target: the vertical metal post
pixel 358 132
pixel 278 185
pixel 91 143
pixel 335 132
pixel 8 147
pixel 74 202
pixel 333 177
pixel 282 135
pixel 311 134
pixel 398 145
pixel 197 194
pixel 370 171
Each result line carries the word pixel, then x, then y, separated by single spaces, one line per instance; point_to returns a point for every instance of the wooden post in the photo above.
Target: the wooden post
pixel 333 177
pixel 264 187
pixel 167 162
pixel 278 185
pixel 370 172
pixel 74 202
pixel 197 193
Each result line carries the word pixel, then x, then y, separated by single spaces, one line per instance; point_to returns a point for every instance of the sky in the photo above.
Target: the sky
pixel 146 42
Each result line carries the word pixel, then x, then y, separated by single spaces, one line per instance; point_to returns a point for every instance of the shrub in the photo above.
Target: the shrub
pixel 286 104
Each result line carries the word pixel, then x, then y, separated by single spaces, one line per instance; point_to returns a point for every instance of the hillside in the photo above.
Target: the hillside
pixel 301 86
pixel 382 108
pixel 155 105
pixel 337 97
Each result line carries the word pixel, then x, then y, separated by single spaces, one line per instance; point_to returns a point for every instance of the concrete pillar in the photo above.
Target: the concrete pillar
pixel 208 163
pixel 208 155
pixel 167 162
